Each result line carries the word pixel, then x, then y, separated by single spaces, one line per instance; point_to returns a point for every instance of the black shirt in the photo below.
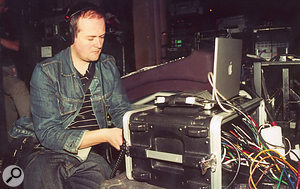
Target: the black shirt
pixel 86 118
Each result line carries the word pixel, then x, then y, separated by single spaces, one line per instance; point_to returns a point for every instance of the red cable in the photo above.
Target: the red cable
pixel 253 121
pixel 233 133
pixel 274 123
pixel 298 176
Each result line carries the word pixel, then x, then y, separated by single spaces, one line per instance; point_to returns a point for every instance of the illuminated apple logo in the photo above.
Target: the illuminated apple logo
pixel 230 68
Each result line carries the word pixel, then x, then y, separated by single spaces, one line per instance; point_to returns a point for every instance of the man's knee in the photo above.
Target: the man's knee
pixel 19 87
pixel 41 171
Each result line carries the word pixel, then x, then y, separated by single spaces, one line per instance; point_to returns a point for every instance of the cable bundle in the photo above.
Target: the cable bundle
pixel 244 145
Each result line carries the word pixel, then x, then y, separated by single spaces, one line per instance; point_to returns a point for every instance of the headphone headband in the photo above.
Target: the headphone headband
pixel 82 6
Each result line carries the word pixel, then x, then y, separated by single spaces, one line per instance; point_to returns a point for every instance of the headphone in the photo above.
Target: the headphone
pixel 75 10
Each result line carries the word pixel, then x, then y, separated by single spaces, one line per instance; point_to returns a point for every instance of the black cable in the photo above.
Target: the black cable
pixel 230 136
pixel 235 140
pixel 239 161
pixel 119 160
pixel 241 112
pixel 250 122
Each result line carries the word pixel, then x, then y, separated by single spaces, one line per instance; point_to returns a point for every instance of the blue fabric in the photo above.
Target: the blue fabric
pixel 48 170
pixel 56 96
pixel 23 127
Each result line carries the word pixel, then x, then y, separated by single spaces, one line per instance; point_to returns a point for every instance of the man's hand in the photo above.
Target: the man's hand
pixel 114 137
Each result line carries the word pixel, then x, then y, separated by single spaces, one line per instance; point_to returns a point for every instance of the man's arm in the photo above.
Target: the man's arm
pixel 119 103
pixel 48 120
pixel 10 44
pixel 119 106
pixel 47 113
pixel 111 135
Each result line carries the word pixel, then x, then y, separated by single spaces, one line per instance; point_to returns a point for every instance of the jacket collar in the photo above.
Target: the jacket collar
pixel 67 67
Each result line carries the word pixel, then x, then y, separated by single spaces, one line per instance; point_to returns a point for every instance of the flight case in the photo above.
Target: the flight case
pixel 176 146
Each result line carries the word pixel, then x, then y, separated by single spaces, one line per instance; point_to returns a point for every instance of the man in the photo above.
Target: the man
pixel 15 90
pixel 72 95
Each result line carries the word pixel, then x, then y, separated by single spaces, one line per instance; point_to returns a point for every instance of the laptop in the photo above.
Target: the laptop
pixel 227 67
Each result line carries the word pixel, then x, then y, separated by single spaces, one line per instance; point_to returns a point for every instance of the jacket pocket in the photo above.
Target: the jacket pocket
pixel 67 105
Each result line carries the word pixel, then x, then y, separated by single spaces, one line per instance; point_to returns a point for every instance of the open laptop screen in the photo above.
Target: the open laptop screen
pixel 227 67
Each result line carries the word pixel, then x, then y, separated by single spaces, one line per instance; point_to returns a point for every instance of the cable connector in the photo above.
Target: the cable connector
pixel 297 152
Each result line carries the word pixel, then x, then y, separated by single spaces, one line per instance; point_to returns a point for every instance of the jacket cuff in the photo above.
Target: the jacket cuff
pixel 73 142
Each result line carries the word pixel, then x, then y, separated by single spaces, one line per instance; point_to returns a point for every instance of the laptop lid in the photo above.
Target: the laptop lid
pixel 227 67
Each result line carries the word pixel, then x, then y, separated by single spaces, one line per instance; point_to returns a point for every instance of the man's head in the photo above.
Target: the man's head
pixel 88 30
pixel 3 7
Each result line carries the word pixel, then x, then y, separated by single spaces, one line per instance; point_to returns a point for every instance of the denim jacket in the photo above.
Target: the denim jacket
pixel 56 96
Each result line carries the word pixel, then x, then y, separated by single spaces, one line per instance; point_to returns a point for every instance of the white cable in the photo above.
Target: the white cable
pixel 271 171
pixel 253 144
pixel 237 127
pixel 220 104
pixel 224 154
pixel 216 93
pixel 239 134
pixel 263 126
pixel 264 162
pixel 229 161
pixel 290 146
pixel 210 75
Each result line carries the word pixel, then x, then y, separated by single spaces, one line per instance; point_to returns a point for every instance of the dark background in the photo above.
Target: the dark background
pixel 38 19
pixel 41 23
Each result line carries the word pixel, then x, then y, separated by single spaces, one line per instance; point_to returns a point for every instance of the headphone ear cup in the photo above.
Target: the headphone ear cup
pixel 76 9
pixel 72 35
